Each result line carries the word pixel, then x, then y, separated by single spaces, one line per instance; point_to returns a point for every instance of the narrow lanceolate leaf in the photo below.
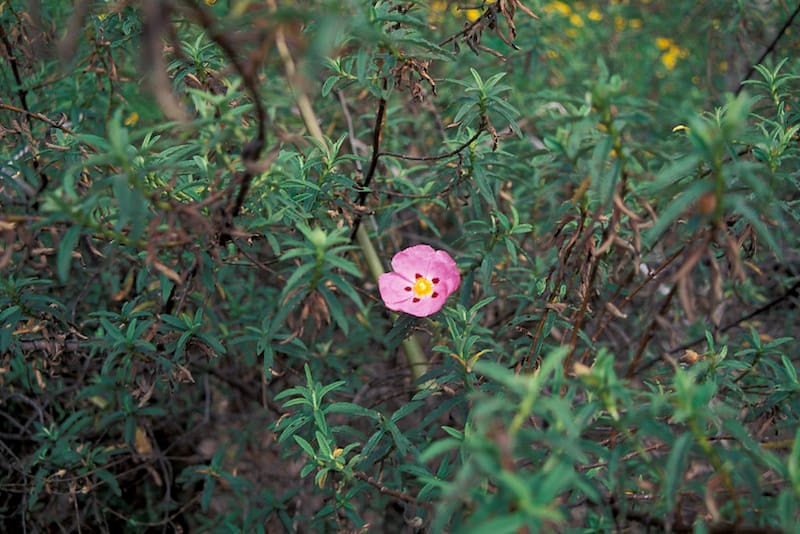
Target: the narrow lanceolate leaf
pixel 676 465
pixel 64 257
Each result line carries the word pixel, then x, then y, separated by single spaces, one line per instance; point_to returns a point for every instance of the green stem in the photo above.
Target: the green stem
pixel 417 361
pixel 416 358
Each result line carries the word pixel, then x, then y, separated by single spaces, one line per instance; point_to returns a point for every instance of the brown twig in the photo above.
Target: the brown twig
pixel 594 261
pixel 770 48
pixel 648 334
pixel 399 495
pixel 790 292
pixel 437 157
pixel 566 252
pixel 44 118
pixel 156 21
pixel 251 150
pixel 606 317
pixel 22 93
pixel 377 134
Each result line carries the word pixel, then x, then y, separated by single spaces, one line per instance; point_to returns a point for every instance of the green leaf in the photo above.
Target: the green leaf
pixel 293 425
pixel 330 387
pixel 327 87
pixel 212 342
pixel 758 225
pixel 351 409
pixel 406 409
pixel 675 468
pixel 308 468
pixel 325 449
pixel 480 304
pixel 403 444
pixel 676 208
pixel 64 257
pixel 791 371
pixel 793 463
pixel 399 331
pixel 208 492
pixel 335 308
pixel 437 448
pixel 268 361
pixel 9 315
pixel 453 432
pixel 500 525
pixel 109 479
pixel 305 445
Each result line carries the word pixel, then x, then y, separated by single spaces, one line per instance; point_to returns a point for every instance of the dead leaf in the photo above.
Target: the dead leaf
pixel 142 442
pixel 613 310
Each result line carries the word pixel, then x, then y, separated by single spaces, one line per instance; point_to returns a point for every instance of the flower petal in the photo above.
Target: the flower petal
pixel 392 288
pixel 426 306
pixel 413 260
pixel 443 267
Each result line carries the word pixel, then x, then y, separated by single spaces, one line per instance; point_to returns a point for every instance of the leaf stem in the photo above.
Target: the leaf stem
pixel 417 361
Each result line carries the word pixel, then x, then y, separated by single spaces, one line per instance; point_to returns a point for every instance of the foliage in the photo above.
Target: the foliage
pixel 197 198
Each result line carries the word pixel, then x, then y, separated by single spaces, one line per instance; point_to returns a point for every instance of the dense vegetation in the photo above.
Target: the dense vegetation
pixel 197 199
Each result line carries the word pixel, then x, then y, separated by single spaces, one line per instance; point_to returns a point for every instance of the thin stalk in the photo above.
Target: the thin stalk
pixel 417 361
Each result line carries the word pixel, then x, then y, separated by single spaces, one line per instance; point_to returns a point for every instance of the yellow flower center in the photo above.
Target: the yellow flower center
pixel 423 287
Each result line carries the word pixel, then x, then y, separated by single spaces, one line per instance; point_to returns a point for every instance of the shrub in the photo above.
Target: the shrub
pixel 198 199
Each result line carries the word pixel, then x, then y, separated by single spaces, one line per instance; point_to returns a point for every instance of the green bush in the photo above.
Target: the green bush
pixel 198 198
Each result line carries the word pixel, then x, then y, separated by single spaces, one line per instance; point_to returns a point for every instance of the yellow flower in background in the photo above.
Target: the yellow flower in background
pixel 662 43
pixel 670 58
pixel 620 23
pixel 131 119
pixel 635 23
pixel 438 9
pixel 576 20
pixel 672 52
pixel 472 14
pixel 210 2
pixel 559 7
pixel 594 15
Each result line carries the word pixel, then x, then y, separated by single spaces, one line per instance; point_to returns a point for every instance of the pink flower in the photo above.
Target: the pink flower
pixel 422 280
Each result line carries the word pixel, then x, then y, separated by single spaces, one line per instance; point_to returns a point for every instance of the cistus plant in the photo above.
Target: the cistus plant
pixel 399 266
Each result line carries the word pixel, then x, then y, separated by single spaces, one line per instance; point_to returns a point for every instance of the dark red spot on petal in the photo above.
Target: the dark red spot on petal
pixel 417 275
pixel 435 280
pixel 407 288
pixel 415 299
pixel 434 295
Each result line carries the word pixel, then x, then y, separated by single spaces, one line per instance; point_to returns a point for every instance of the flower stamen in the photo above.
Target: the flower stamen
pixel 423 287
